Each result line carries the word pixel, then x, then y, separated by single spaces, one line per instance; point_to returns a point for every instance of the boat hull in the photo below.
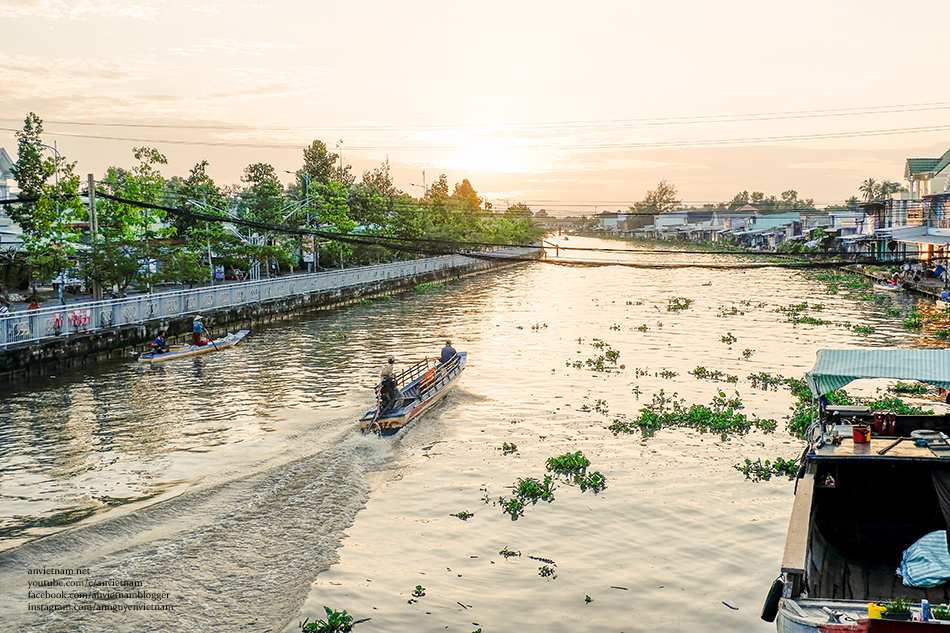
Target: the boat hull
pixel 415 402
pixel 183 351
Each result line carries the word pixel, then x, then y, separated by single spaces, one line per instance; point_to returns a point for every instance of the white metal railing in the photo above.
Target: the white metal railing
pixel 89 316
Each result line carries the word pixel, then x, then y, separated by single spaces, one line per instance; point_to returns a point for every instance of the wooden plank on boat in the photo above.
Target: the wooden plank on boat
pixel 881 583
pixel 796 542
pixel 857 582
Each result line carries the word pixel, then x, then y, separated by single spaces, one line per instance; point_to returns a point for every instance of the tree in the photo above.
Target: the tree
pixel 869 188
pixel 466 194
pixel 318 163
pixel 50 235
pixel 661 200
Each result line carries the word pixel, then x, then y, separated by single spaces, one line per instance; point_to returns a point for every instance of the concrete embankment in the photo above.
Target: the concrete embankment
pixel 49 355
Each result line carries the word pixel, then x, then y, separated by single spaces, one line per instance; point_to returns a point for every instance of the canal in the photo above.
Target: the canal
pixel 232 492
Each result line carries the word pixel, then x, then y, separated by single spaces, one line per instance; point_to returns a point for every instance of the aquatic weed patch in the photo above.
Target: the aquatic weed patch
pixel 764 380
pixel 678 303
pixel 915 388
pixel 604 362
pixel 759 471
pixel 720 416
pixel 336 622
pixel 569 462
pixel 701 373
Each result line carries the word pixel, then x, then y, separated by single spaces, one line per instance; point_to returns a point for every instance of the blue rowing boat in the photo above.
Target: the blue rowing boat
pixel 425 383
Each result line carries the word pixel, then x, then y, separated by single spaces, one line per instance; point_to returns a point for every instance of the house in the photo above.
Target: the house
pixel 10 231
pixel 927 175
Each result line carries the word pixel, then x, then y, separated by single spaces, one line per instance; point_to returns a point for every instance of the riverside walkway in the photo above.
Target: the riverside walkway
pixel 23 327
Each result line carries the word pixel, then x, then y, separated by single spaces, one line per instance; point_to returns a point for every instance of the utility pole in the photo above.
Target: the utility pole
pixel 94 234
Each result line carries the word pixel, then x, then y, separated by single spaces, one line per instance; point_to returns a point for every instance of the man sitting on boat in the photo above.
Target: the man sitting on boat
pixel 387 386
pixel 198 330
pixel 159 345
pixel 448 353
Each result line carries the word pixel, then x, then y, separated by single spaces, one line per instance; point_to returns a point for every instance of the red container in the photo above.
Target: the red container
pixel 860 433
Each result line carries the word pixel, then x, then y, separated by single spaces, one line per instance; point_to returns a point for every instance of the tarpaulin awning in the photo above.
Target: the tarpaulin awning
pixel 835 368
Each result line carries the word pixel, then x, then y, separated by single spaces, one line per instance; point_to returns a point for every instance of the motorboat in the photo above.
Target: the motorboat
pixel 424 384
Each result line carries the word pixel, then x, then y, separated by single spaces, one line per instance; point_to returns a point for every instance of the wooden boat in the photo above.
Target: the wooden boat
pixel 870 486
pixel 181 351
pixel 425 383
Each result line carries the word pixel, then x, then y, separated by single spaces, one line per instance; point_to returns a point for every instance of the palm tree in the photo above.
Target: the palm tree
pixel 869 188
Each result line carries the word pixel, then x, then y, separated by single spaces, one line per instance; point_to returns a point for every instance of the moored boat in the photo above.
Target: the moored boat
pixel 872 493
pixel 424 384
pixel 888 287
pixel 181 351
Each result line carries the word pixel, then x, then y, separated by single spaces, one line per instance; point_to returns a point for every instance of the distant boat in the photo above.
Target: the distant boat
pixel 424 386
pixel 889 287
pixel 181 351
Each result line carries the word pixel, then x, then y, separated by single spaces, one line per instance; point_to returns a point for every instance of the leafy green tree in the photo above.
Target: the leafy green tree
pixel 662 199
pixel 318 163
pixel 870 189
pixel 50 234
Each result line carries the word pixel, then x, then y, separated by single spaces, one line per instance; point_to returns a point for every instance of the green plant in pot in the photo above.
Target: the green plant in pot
pixel 940 612
pixel 897 609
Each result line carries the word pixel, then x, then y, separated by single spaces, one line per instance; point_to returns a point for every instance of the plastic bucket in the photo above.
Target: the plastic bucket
pixel 861 433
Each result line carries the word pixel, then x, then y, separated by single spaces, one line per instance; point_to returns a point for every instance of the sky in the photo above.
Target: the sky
pixel 568 107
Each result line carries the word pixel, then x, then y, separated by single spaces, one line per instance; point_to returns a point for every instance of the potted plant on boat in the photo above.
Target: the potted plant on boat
pixel 897 609
pixel 940 612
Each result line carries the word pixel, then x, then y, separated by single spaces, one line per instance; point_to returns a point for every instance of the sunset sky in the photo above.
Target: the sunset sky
pixel 570 107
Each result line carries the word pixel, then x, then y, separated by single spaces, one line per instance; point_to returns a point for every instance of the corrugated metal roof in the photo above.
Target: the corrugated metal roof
pixel 835 368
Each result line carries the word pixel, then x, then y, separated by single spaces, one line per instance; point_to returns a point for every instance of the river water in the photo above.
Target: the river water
pixel 233 492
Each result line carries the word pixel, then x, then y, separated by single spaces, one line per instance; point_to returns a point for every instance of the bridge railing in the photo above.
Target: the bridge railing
pixel 89 316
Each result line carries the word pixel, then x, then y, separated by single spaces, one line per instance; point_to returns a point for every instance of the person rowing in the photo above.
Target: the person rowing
pixel 387 386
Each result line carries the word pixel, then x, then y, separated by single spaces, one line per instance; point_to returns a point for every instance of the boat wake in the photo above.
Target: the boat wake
pixel 238 550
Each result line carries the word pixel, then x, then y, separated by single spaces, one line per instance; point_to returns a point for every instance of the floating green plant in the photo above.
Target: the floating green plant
pixel 588 599
pixel 569 462
pixel 678 303
pixel 914 321
pixel 668 373
pixel 427 287
pixel 759 471
pixel 642 328
pixel 419 591
pixel 507 553
pixel 508 449
pixel 546 571
pixel 720 417
pixel 747 353
pixel 704 374
pixel 591 481
pixel 733 311
pixel 465 516
pixel 539 326
pixel 764 380
pixel 336 622
pixel 863 330
pixel 728 339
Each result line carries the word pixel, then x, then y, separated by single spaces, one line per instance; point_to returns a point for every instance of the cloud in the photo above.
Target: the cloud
pixel 73 9
pixel 26 77
pixel 232 47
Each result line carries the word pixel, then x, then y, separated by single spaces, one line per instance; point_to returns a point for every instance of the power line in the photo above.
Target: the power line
pixel 711 118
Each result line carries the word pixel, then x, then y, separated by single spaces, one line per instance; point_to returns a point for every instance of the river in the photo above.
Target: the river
pixel 232 492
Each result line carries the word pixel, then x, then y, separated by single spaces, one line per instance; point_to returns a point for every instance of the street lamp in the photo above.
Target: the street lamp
pixel 423 185
pixel 306 198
